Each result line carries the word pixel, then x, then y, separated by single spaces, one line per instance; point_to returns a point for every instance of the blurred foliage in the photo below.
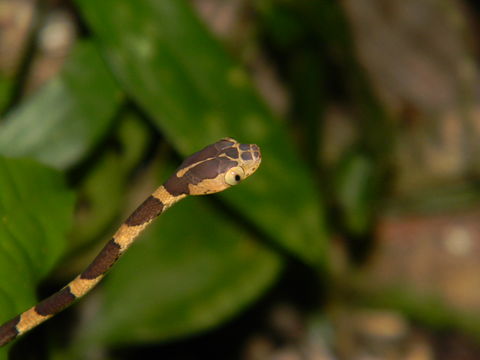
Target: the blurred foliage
pixel 146 84
pixel 75 114
pixel 36 211
pixel 194 94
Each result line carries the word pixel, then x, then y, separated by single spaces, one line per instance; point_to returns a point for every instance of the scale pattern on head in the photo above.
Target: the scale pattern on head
pixel 215 168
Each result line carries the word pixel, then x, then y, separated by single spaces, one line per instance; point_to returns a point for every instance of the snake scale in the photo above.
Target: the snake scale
pixel 213 169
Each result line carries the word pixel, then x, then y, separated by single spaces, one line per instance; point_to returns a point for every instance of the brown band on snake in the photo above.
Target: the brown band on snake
pixel 104 261
pixel 55 303
pixel 212 169
pixel 8 331
pixel 150 209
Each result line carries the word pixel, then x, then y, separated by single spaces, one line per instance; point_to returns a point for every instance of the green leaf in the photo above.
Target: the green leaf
pixel 181 278
pixel 35 213
pixel 195 93
pixel 60 123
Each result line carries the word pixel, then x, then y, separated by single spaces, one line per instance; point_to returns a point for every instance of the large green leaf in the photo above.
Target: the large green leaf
pixel 196 94
pixel 181 278
pixel 35 213
pixel 60 123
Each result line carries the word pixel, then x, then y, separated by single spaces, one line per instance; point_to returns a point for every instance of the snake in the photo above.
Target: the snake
pixel 215 168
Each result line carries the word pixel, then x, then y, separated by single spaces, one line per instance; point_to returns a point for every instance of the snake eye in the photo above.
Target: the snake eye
pixel 234 175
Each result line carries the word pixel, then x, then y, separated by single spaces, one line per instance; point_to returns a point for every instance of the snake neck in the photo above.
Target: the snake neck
pixel 158 202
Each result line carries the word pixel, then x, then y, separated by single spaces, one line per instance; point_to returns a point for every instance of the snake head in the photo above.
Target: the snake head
pixel 215 168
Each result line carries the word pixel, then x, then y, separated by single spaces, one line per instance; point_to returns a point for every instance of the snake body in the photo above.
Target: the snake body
pixel 213 169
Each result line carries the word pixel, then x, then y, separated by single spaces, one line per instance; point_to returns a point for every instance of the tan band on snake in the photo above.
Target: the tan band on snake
pixel 213 169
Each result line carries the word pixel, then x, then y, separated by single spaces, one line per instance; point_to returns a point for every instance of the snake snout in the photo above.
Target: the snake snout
pixel 256 152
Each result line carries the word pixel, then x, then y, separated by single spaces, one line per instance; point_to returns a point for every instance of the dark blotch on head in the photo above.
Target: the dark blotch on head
pixel 224 143
pixel 232 152
pixel 209 169
pixel 55 303
pixel 149 209
pixel 206 170
pixel 104 260
pixel 246 156
pixel 206 153
pixel 8 331
pixel 225 164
